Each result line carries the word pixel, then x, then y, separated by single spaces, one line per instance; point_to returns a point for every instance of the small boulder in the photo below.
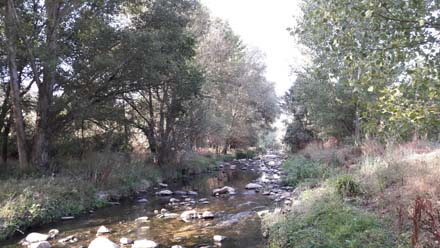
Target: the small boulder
pixel 143 219
pixel 126 241
pixel 163 185
pixel 253 186
pixel 144 244
pixel 219 238
pixel 101 242
pixel 68 239
pixel 189 215
pixel 102 231
pixel 165 192
pixel 40 244
pixel 180 192
pixel 170 216
pixel 208 215
pixel 142 200
pixel 224 190
pixel 36 237
pixel 193 193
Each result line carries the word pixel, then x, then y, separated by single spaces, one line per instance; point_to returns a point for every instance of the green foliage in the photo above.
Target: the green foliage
pixel 375 69
pixel 248 154
pixel 38 199
pixel 300 169
pixel 297 136
pixel 346 186
pixel 329 225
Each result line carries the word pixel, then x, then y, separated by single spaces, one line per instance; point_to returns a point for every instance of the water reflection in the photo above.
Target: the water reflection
pixel 235 216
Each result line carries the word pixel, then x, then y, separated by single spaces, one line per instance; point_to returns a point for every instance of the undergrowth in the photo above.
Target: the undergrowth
pixel 76 186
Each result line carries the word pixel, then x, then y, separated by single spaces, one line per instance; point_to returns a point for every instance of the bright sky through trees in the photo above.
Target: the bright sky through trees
pixel 262 24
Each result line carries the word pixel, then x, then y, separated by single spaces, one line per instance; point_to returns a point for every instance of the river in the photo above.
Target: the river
pixel 235 217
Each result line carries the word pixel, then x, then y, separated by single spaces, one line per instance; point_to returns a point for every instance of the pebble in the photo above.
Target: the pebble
pixel 219 238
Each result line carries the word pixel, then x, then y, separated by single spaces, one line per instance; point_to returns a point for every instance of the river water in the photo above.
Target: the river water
pixel 235 215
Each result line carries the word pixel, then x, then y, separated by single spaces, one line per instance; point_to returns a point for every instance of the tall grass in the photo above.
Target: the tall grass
pixel 320 219
pixel 69 190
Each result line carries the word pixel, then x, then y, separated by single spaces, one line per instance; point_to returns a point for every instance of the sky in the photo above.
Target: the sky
pixel 262 24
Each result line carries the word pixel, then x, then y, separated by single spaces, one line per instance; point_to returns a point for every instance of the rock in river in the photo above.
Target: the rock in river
pixel 165 192
pixel 144 219
pixel 224 190
pixel 253 186
pixel 41 244
pixel 219 238
pixel 101 242
pixel 189 215
pixel 102 230
pixel 208 215
pixel 36 237
pixel 144 244
pixel 170 216
pixel 125 241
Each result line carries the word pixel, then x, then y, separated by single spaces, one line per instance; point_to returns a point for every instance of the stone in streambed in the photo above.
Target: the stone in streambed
pixel 68 239
pixel 143 219
pixel 189 215
pixel 142 200
pixel 102 231
pixel 144 244
pixel 224 190
pixel 170 216
pixel 219 238
pixel 208 215
pixel 101 242
pixel 126 241
pixel 165 192
pixel 41 244
pixel 253 186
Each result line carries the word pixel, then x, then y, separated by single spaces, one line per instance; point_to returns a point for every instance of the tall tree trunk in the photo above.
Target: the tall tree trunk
pixel 40 151
pixel 5 107
pixel 5 125
pixel 11 36
pixel 5 139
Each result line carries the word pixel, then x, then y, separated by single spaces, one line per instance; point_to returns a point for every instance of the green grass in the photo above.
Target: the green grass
pixel 329 225
pixel 33 198
pixel 299 169
pixel 248 154
pixel 319 216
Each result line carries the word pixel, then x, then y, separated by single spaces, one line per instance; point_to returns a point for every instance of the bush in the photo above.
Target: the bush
pixel 329 225
pixel 346 186
pixel 299 169
pixel 249 154
pixel 38 199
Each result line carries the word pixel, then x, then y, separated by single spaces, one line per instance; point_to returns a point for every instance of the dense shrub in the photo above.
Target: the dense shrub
pixel 240 154
pixel 346 186
pixel 329 225
pixel 299 169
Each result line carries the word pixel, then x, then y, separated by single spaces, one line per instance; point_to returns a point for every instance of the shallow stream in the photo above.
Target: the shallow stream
pixel 235 215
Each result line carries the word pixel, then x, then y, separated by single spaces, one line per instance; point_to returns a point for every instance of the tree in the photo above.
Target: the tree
pixel 373 49
pixel 11 31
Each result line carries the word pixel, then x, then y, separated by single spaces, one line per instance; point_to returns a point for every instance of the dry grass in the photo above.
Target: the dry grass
pixel 394 179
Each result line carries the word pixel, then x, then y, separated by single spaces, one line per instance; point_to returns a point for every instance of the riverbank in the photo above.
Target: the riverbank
pixel 363 197
pixel 30 199
pixel 226 202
